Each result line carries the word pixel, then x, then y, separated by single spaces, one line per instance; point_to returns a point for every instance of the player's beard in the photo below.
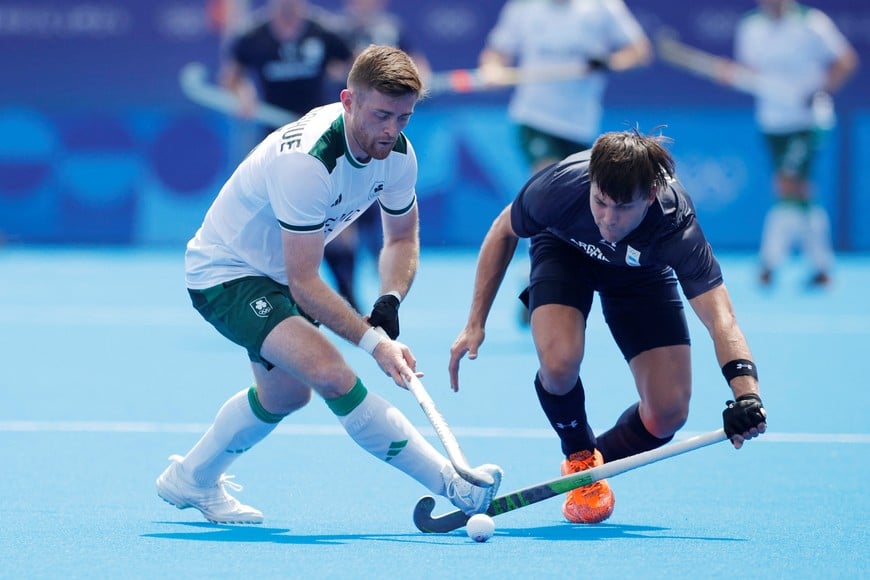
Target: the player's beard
pixel 380 147
pixel 375 147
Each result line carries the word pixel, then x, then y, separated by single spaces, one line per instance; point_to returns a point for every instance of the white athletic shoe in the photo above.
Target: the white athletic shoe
pixel 468 497
pixel 213 501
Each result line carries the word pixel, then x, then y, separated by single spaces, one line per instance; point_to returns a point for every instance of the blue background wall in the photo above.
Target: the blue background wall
pixel 98 145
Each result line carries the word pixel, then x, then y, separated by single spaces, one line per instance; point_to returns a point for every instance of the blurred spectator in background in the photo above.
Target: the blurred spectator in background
pixel 364 22
pixel 798 47
pixel 361 23
pixel 562 117
pixel 287 56
pixel 228 17
pixel 558 118
pixel 291 56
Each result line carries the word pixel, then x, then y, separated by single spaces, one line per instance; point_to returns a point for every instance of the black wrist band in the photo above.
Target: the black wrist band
pixel 739 367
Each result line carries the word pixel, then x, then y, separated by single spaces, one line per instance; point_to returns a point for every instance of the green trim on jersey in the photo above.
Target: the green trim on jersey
pixel 402 211
pixel 401 145
pixel 331 146
pixel 301 229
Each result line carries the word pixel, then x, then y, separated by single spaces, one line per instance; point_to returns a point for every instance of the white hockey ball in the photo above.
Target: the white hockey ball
pixel 480 527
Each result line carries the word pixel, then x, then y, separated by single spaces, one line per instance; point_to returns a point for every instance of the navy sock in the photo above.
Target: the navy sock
pixel 628 437
pixel 567 415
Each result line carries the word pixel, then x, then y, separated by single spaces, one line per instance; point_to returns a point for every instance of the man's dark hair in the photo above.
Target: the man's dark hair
pixel 626 164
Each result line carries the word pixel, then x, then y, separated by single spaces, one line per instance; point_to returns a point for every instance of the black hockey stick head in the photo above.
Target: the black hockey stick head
pixel 426 523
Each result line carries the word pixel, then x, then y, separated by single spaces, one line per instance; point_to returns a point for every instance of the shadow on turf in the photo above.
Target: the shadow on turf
pixel 582 532
pixel 206 532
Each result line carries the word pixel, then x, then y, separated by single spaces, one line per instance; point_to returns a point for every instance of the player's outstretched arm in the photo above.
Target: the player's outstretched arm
pixel 400 256
pixel 496 252
pixel 397 266
pixel 303 254
pixel 468 341
pixel 744 417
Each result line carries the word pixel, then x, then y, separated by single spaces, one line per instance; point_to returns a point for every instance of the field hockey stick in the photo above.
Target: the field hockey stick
pixel 451 445
pixel 472 80
pixel 454 452
pixel 719 69
pixel 193 79
pixel 521 498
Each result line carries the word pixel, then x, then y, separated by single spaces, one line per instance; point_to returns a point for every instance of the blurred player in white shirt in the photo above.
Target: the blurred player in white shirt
pixel 559 117
pixel 788 44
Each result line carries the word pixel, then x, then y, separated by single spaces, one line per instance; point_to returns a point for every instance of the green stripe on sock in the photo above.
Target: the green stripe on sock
pixel 261 413
pixel 396 447
pixel 349 401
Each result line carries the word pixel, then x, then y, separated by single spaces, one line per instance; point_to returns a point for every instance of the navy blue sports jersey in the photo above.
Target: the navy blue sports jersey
pixel 291 74
pixel 556 202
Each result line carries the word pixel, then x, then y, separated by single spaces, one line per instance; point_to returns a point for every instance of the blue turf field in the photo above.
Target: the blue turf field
pixel 106 370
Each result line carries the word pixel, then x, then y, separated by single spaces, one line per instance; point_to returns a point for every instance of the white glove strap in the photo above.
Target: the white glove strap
pixel 370 340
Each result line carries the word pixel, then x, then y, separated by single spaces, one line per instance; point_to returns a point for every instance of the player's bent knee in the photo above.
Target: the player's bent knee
pixel 665 423
pixel 558 373
pixel 559 364
pixel 558 383
pixel 281 395
pixel 298 401
pixel 332 381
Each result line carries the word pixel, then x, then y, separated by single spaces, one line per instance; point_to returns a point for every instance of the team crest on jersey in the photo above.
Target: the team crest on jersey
pixel 632 256
pixel 261 307
pixel 377 188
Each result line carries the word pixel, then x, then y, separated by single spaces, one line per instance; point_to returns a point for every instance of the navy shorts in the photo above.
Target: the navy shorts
pixel 641 305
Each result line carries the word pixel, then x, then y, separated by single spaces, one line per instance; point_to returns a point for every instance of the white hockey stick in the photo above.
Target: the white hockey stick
pixel 195 85
pixel 454 452
pixel 728 72
pixel 472 80
pixel 426 522
pixel 451 445
pixel 719 69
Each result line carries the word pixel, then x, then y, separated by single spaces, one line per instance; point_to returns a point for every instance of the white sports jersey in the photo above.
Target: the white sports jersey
pixel 541 33
pixel 301 178
pixel 794 50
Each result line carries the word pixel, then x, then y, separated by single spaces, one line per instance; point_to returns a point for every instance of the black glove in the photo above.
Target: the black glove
pixel 597 64
pixel 744 414
pixel 385 314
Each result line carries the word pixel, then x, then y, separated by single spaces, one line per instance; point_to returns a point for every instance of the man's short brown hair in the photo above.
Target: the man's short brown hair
pixel 387 70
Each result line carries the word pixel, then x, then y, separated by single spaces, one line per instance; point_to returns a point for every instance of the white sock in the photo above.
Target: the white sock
pixel 782 226
pixel 816 238
pixel 236 429
pixel 382 430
